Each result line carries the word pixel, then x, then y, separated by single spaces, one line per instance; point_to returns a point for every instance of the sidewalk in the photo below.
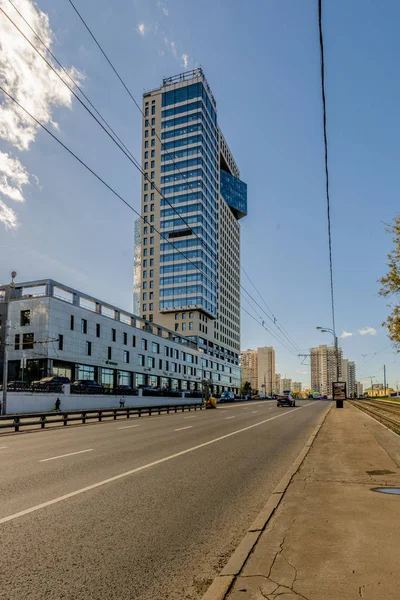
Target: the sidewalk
pixel 332 537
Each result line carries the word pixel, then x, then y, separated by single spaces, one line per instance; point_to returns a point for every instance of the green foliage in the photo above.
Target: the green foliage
pixel 246 388
pixel 390 283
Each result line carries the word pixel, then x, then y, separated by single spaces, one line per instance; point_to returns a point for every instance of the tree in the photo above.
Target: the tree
pixel 391 284
pixel 246 389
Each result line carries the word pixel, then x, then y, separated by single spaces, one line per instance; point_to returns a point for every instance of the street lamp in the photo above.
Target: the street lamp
pixel 332 331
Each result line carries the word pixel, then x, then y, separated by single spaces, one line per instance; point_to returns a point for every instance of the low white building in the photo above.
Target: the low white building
pixel 51 329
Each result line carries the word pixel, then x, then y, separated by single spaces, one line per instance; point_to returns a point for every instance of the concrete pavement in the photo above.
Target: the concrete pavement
pixel 332 536
pixel 148 512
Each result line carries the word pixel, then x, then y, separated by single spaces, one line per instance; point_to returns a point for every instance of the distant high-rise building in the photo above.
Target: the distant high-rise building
pixel 324 368
pixel 277 389
pixel 297 386
pixel 249 363
pixel 360 389
pixel 266 370
pixel 349 376
pixel 287 385
pixel 190 277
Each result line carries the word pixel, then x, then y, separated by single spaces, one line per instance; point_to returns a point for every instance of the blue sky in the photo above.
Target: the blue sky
pixel 262 62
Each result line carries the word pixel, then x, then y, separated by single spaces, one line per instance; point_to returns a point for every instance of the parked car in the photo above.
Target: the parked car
pixel 227 396
pixel 55 380
pixel 286 400
pixel 88 385
pixel 17 385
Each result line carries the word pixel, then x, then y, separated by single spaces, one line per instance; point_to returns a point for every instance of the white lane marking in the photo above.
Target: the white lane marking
pixel 94 486
pixel 3 447
pixel 255 412
pixel 181 428
pixel 231 417
pixel 128 426
pixel 190 417
pixel 64 455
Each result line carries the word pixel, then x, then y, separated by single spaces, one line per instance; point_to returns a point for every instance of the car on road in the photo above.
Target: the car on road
pixel 227 396
pixel 90 386
pixel 286 400
pixel 18 385
pixel 53 381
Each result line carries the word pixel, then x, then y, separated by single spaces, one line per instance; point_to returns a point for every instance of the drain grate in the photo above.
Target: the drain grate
pixel 387 490
pixel 380 472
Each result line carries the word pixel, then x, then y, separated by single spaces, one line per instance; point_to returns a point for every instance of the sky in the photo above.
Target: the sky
pixel 261 59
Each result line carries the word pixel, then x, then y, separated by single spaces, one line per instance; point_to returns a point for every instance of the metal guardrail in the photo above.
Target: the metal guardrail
pixel 65 417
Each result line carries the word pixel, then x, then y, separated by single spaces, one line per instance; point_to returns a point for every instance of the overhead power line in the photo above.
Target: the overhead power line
pixel 114 69
pixel 328 202
pixel 115 139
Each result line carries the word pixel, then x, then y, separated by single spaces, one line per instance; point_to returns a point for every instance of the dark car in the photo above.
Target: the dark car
pixel 87 385
pixel 17 385
pixel 55 380
pixel 286 400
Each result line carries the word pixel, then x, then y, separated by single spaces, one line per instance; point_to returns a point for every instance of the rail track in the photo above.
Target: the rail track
pixel 386 413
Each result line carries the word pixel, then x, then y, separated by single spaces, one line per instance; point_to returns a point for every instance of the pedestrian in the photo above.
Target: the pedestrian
pixel 122 403
pixel 57 405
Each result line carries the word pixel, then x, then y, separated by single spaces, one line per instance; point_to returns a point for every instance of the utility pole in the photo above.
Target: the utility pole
pixel 384 377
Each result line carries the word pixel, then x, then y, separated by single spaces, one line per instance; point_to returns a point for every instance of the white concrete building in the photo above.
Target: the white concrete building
pixel 324 368
pixel 55 330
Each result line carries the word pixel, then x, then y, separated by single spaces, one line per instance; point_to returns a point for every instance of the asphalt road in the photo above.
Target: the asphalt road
pixel 147 509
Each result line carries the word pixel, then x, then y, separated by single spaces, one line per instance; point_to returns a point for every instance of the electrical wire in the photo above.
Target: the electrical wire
pixel 328 202
pixel 275 321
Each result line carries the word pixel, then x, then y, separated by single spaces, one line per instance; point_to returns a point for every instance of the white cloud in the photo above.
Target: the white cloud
pixel 141 29
pixel 346 334
pixel 8 216
pixel 174 49
pixel 185 60
pixel 30 81
pixel 163 7
pixel 367 331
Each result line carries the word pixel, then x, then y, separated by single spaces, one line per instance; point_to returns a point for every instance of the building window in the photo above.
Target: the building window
pixel 153 142
pixel 71 326
pixel 150 362
pixel 155 348
pixel 152 194
pixel 183 326
pixel 125 336
pixel 146 154
pixel 151 207
pixel 144 274
pixel 152 164
pixel 146 187
pixel 152 240
pixel 176 326
pixel 146 133
pixel 16 341
pixel 152 175
pixel 84 326
pixel 146 144
pixel 152 220
pixel 150 318
pixel 88 348
pixel 144 344
pixel 97 329
pixel 152 154
pixel 151 251
pixel 144 307
pixel 114 335
pixel 145 262
pixel 153 109
pixel 141 360
pixel 25 318
pixel 144 296
pixel 166 365
pixel 153 132
pixel 176 316
pixel 153 121
pixel 151 306
pixel 60 342
pixel 109 353
pixel 183 315
pixel 146 165
pixel 191 325
pixel 126 356
pixel 28 341
pixel 151 284
pixel 190 315
pixel 133 341
pixel 151 295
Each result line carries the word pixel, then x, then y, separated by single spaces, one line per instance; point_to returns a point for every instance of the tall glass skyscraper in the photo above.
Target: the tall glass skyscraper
pixel 190 277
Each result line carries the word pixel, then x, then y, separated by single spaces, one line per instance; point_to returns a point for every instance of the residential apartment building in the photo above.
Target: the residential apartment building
pixel 189 280
pixel 324 368
pixel 287 385
pixel 249 365
pixel 349 376
pixel 55 330
pixel 277 388
pixel 266 370
pixel 297 386
pixel 360 389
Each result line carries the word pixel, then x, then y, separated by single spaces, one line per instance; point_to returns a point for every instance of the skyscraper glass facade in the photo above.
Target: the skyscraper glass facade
pixel 189 181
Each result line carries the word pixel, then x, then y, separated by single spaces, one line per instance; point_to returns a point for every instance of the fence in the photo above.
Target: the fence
pixel 64 417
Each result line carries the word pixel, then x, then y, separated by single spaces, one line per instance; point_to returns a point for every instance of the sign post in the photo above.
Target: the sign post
pixel 339 392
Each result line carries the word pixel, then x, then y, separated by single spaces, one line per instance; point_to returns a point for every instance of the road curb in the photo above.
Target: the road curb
pixel 222 584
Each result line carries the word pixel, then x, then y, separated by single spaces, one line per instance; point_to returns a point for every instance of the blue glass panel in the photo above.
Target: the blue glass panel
pixel 234 192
